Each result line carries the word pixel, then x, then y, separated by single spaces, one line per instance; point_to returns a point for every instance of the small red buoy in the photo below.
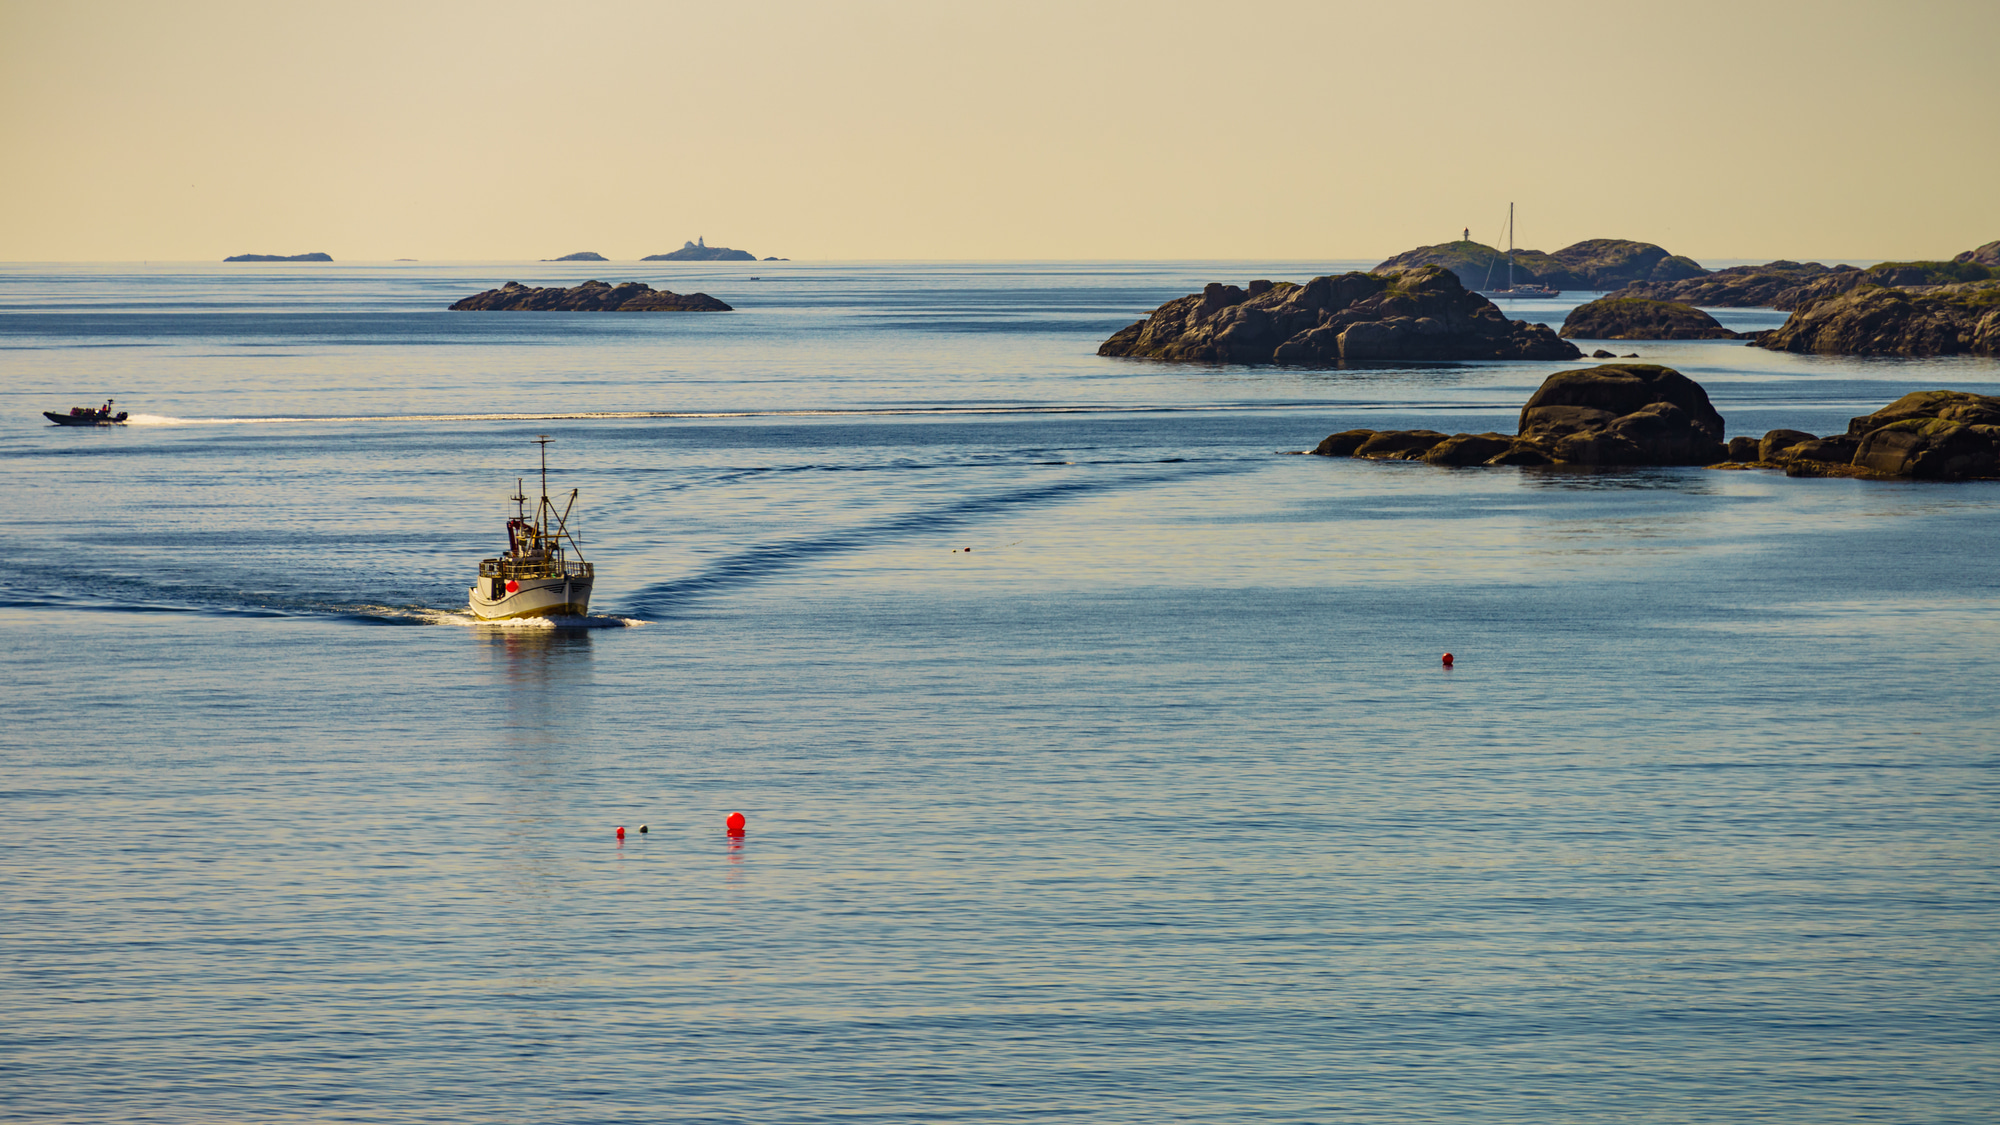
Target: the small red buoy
pixel 513 587
pixel 621 832
pixel 1447 660
pixel 735 823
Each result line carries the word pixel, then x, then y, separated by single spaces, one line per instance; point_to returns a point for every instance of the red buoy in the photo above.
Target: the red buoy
pixel 621 832
pixel 513 587
pixel 1447 660
pixel 735 823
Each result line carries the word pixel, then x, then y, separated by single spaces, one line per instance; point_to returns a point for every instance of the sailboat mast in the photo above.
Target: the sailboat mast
pixel 1510 246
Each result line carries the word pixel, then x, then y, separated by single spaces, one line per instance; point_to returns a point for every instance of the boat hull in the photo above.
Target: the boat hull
pixel 531 597
pixel 83 419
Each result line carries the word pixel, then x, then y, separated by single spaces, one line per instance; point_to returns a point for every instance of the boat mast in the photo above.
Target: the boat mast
pixel 1510 246
pixel 542 509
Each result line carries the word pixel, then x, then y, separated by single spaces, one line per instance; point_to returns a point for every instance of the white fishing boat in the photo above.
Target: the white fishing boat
pixel 1524 289
pixel 543 573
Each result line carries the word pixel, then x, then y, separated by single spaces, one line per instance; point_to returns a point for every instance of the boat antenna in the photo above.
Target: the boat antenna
pixel 542 506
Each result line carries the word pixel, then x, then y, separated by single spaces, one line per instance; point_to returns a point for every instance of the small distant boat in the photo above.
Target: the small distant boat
pixel 1526 288
pixel 88 416
pixel 543 573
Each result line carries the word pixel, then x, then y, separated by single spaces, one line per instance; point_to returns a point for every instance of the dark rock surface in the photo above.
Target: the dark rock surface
pixel 580 256
pixel 1771 446
pixel 591 296
pixel 1624 414
pixel 1461 450
pixel 1961 319
pixel 1596 263
pixel 1925 435
pixel 1634 318
pixel 700 251
pixel 1642 414
pixel 1342 444
pixel 1958 407
pixel 1915 276
pixel 1987 255
pixel 1770 285
pixel 1903 275
pixel 1788 285
pixel 1614 414
pixel 1416 314
pixel 313 257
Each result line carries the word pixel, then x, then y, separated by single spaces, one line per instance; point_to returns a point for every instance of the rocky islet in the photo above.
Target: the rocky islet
pixel 1644 414
pixel 1879 320
pixel 315 256
pixel 1924 435
pixel 700 251
pixel 1636 318
pixel 1773 285
pixel 1422 313
pixel 1594 264
pixel 1611 414
pixel 591 296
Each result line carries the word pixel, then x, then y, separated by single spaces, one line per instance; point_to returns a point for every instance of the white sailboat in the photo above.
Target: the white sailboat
pixel 543 573
pixel 1526 288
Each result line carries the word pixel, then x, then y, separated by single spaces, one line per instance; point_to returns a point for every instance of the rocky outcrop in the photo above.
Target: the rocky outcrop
pixel 1624 414
pixel 1614 414
pixel 1961 319
pixel 1632 318
pixel 580 256
pixel 700 251
pixel 1904 275
pixel 313 257
pixel 1925 435
pixel 1772 285
pixel 1610 263
pixel 1416 314
pixel 1915 276
pixel 1987 255
pixel 1788 285
pixel 591 296
pixel 1596 263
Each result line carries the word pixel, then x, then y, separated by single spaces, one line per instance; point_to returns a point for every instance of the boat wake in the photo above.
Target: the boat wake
pixel 418 615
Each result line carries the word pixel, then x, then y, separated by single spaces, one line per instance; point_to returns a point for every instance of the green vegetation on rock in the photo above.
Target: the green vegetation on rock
pixel 1636 318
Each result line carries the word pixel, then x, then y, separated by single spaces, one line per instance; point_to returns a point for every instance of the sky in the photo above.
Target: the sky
pixel 927 129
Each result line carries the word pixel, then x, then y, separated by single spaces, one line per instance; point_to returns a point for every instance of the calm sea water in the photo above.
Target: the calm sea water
pixel 1098 762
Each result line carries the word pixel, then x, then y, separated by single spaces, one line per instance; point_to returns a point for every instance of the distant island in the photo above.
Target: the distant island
pixel 700 251
pixel 580 256
pixel 591 296
pixel 314 257
pixel 1595 263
